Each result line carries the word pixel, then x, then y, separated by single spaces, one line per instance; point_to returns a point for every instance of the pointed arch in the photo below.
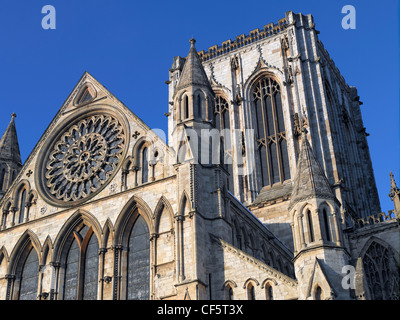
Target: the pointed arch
pixel 20 197
pixel 76 251
pixel 267 281
pixel 27 238
pixel 163 206
pixel 250 280
pixel 129 213
pixel 143 155
pixel 66 232
pixel 184 204
pixel 47 251
pixel 267 109
pixel 23 184
pixel 268 286
pixel 108 234
pixel 250 285
pixel 24 265
pixel 200 104
pixel 228 287
pixel 133 228
pixel 4 261
pixel 381 269
pixel 318 293
pixel 230 283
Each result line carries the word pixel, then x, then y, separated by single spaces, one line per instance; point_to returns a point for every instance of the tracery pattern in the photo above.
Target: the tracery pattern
pixel 381 271
pixel 85 156
pixel 271 132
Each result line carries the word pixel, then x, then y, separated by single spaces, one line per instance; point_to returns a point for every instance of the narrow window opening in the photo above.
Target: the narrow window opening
pixel 145 166
pixel 22 206
pixel 326 224
pixel 310 226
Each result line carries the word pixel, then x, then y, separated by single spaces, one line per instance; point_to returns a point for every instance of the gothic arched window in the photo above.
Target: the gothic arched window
pixel 145 165
pixel 318 293
pixel 221 113
pixel 269 292
pixel 222 124
pixel 326 224
pixel 29 277
pixel 81 266
pixel 271 132
pixel 185 109
pixel 229 292
pixel 382 273
pixel 310 226
pixel 251 294
pixel 22 204
pixel 138 277
pixel 2 176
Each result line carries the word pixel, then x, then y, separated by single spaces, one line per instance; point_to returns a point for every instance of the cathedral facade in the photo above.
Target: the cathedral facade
pixel 265 189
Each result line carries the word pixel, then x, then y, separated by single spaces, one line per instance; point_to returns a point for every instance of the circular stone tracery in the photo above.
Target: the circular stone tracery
pixel 82 160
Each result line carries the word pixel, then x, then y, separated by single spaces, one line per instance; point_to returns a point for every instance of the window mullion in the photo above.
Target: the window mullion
pixel 278 147
pixel 265 134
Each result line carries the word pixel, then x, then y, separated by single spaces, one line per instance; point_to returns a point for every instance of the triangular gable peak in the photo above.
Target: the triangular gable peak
pixel 88 98
pixel 319 286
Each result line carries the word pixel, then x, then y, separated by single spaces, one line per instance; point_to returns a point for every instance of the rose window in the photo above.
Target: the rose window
pixel 82 160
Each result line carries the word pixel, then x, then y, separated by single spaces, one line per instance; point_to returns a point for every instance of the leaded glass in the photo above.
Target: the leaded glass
pixel 138 287
pixel 271 132
pixel 29 277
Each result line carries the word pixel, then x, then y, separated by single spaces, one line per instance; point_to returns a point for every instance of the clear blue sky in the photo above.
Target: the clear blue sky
pixel 129 45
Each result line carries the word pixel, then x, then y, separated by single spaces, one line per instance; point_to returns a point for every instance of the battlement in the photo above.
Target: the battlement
pixel 377 218
pixel 242 40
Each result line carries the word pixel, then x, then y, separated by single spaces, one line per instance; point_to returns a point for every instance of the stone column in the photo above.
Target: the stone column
pixel 14 210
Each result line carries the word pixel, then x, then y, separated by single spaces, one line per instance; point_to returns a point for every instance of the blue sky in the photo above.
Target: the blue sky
pixel 129 45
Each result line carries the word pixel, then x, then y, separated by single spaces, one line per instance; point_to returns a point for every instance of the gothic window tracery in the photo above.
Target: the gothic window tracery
pixel 82 158
pixel 381 271
pixel 270 132
pixel 81 266
pixel 222 124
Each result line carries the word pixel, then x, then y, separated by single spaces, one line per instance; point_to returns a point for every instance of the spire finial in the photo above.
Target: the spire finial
pixel 192 42
pixel 392 182
pixel 13 116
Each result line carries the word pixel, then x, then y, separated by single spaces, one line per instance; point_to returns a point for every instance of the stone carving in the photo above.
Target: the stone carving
pixel 85 156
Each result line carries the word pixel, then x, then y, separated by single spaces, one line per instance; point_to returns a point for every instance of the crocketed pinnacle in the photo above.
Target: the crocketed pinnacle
pixel 9 147
pixel 310 180
pixel 193 73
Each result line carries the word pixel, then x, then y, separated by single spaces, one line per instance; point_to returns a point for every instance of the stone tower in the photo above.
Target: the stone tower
pixel 10 157
pixel 318 239
pixel 192 109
